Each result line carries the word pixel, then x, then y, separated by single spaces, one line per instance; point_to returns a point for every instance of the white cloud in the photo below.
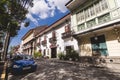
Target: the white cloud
pixel 40 8
pixel 29 16
pixel 46 8
pixel 22 25
pixel 59 4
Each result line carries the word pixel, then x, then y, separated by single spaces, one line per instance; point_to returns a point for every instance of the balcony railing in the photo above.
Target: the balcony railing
pixel 52 39
pixel 44 42
pixel 66 34
pixel 38 44
pixel 27 47
pixel 1 45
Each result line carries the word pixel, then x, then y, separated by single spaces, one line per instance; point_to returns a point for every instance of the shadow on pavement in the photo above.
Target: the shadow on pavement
pixel 66 71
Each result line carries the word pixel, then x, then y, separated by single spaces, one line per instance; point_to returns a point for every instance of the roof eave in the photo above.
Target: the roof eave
pixel 68 3
pixel 30 31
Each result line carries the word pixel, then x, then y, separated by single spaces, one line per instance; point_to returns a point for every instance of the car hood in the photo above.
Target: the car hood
pixel 24 62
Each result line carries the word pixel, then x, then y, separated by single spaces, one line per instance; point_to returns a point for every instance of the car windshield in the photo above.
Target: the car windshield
pixel 22 57
pixel 27 57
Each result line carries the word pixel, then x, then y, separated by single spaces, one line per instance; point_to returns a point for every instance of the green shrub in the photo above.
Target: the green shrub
pixel 72 54
pixel 61 56
pixel 37 54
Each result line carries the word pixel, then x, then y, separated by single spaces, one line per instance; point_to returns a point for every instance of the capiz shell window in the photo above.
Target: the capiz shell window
pixel 104 18
pixel 91 23
pixel 81 27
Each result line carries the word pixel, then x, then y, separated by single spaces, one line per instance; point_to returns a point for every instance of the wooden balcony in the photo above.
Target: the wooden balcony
pixel 44 42
pixel 52 39
pixel 1 34
pixel 28 46
pixel 66 35
pixel 1 45
pixel 1 42
pixel 38 44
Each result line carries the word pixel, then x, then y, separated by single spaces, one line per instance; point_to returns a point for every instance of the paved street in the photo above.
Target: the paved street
pixel 57 70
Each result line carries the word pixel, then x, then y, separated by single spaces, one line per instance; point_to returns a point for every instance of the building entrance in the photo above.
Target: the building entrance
pixel 99 46
pixel 53 52
pixel 68 49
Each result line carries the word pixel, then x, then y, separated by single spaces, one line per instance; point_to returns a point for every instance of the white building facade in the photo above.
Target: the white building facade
pixel 57 38
pixel 96 24
pixel 28 42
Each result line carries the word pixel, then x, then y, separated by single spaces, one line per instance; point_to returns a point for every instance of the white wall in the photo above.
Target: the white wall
pixel 60 42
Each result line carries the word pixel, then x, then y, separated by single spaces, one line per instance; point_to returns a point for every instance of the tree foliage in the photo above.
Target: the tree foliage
pixel 11 49
pixel 12 13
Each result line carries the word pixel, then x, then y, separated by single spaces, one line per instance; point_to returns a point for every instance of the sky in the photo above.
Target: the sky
pixel 43 12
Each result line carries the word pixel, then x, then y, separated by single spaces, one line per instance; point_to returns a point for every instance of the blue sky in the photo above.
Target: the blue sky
pixel 44 12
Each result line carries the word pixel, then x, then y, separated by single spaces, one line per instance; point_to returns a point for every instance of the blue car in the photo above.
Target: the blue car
pixel 21 63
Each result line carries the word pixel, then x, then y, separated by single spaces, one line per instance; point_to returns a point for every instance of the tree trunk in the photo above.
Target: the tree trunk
pixel 7 39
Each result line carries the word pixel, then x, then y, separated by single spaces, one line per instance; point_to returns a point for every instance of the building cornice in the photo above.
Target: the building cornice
pixel 27 34
pixel 68 2
pixel 73 4
pixel 55 24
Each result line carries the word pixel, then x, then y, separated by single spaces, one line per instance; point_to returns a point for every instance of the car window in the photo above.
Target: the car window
pixel 22 57
pixel 18 57
pixel 27 57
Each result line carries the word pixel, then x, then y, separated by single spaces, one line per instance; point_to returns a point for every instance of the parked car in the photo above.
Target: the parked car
pixel 21 63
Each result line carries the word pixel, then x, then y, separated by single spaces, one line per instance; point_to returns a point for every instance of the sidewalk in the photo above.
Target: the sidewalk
pixel 2 70
pixel 113 66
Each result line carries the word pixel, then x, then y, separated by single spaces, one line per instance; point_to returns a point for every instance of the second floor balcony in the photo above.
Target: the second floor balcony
pixel 44 42
pixel 37 44
pixel 27 47
pixel 1 45
pixel 52 39
pixel 98 19
pixel 66 34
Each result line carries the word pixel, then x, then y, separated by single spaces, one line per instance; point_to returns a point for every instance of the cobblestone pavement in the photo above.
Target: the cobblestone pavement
pixel 56 70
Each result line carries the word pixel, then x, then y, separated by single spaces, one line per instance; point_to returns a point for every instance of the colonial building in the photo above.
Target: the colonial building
pixel 57 38
pixel 96 25
pixel 29 41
